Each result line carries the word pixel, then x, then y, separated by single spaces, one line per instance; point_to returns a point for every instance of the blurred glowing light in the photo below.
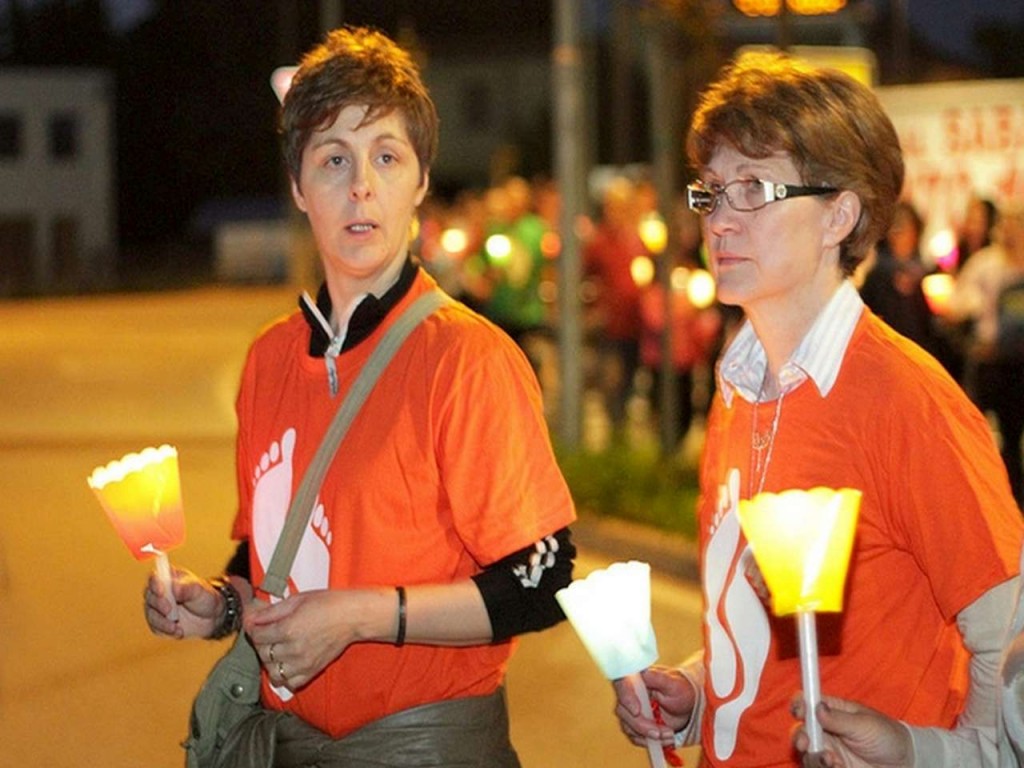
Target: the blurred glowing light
pixel 938 289
pixel 653 233
pixel 802 7
pixel 942 246
pixel 642 270
pixel 700 288
pixel 679 278
pixel 498 248
pixel 550 245
pixel 454 240
pixel 548 291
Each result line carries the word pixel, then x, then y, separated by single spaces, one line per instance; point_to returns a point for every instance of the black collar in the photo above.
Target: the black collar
pixel 366 317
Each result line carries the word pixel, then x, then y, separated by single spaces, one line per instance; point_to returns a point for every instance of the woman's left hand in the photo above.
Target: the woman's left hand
pixel 296 638
pixel 856 736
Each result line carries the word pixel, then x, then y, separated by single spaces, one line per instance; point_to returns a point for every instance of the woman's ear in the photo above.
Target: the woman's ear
pixel 300 201
pixel 424 186
pixel 843 215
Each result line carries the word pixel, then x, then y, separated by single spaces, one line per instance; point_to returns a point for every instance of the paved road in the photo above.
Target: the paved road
pixel 82 682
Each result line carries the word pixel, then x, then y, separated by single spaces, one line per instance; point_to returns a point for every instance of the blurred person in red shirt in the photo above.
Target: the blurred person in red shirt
pixel 607 260
pixel 696 331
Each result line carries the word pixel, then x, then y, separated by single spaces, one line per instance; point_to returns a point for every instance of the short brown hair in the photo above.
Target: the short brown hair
pixel 832 127
pixel 356 66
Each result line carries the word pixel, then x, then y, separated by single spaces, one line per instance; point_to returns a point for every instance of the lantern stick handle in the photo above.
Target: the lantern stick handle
pixel 810 678
pixel 162 566
pixel 654 748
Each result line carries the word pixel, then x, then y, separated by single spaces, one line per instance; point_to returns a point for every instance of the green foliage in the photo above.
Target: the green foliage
pixel 637 484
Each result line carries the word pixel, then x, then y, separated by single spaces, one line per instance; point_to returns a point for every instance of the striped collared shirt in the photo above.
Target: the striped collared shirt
pixel 818 356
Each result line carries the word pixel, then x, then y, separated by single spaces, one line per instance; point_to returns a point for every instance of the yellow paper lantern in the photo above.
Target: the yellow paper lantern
pixel 802 541
pixel 141 494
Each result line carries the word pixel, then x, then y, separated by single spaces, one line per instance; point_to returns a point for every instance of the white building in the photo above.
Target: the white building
pixel 57 193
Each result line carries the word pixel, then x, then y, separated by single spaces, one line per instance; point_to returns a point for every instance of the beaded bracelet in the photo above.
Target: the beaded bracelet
pixel 231 622
pixel 400 635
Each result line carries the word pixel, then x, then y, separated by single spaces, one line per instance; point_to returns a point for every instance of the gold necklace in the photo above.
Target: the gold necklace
pixel 762 444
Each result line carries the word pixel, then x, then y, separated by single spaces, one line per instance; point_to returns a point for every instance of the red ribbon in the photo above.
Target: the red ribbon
pixel 671 756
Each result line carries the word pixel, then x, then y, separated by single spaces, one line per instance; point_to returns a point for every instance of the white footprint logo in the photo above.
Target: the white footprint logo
pixel 738 628
pixel 272 482
pixel 272 496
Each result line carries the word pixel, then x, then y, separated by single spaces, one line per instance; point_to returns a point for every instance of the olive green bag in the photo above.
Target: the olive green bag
pixel 227 726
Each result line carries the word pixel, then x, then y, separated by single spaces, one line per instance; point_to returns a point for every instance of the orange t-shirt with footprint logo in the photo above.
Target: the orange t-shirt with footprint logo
pixel 935 532
pixel 447 468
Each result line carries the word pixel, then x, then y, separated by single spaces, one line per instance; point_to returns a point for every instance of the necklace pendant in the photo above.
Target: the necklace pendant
pixel 762 445
pixel 760 440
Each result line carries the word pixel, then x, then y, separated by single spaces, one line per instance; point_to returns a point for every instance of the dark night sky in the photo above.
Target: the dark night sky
pixel 166 166
pixel 932 19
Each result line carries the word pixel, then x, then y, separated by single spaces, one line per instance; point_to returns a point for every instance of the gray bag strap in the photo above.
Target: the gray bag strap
pixel 275 581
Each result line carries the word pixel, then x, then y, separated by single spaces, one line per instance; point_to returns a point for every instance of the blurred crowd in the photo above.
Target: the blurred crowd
pixel 497 249
pixel 965 306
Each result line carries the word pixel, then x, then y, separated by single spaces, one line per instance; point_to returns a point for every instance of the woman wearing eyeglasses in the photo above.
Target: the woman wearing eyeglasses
pixel 799 169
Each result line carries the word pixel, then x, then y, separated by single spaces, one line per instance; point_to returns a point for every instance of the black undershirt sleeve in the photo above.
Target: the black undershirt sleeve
pixel 238 565
pixel 519 590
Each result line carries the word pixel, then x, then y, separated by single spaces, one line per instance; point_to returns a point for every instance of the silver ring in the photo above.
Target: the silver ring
pixel 280 671
pixel 270 652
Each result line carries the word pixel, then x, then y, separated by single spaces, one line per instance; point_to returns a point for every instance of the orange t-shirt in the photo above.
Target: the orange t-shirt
pixel 937 528
pixel 446 469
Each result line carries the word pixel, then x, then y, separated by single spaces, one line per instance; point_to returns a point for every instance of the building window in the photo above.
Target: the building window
pixel 63 136
pixel 10 135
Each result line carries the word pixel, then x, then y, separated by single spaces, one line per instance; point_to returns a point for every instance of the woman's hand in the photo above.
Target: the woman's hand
pixel 673 693
pixel 296 638
pixel 200 606
pixel 856 736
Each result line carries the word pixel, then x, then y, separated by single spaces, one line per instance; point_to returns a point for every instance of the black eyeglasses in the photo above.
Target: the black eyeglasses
pixel 745 194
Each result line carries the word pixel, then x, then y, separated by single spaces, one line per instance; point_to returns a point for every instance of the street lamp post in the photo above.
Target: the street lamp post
pixel 783 29
pixel 568 126
pixel 663 145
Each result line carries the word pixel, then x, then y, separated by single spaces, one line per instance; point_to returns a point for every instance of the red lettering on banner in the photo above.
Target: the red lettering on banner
pixel 1011 186
pixel 998 128
pixel 910 141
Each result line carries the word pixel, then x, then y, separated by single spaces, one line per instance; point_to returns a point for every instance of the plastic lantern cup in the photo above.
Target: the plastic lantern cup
pixel 801 541
pixel 141 494
pixel 611 612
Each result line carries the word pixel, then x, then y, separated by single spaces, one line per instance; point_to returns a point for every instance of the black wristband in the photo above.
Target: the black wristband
pixel 400 634
pixel 231 622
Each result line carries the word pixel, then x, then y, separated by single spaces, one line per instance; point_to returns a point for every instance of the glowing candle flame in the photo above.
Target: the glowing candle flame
pixel 454 240
pixel 653 233
pixel 641 269
pixel 700 288
pixel 938 291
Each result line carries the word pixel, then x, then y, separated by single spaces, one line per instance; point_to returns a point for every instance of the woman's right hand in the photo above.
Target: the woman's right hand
pixel 675 696
pixel 200 606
